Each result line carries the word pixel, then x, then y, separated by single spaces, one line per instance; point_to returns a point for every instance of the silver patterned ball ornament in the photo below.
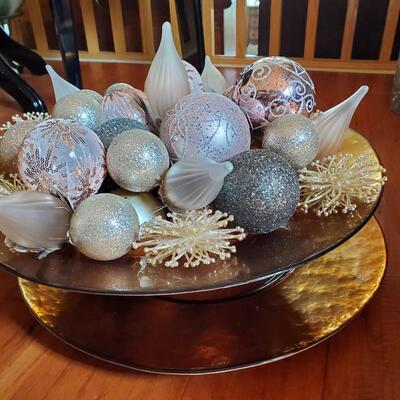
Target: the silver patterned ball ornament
pixel 279 85
pixel 113 127
pixel 293 137
pixel 81 107
pixel 104 227
pixel 205 124
pixel 137 160
pixel 117 86
pixel 195 81
pixel 262 192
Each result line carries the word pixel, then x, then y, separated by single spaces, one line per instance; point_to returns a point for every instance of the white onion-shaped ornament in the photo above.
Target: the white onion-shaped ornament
pixel 194 182
pixel 34 221
pixel 213 80
pixel 332 125
pixel 61 87
pixel 167 79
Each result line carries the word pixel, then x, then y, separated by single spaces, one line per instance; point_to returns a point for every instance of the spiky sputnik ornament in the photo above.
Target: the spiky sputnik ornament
pixel 198 236
pixel 30 116
pixel 335 182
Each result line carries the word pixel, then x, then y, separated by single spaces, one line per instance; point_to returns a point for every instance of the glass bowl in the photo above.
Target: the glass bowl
pixel 260 259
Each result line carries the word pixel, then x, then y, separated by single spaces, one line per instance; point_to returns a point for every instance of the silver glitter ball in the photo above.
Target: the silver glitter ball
pixel 104 226
pixel 137 160
pixel 293 137
pixel 93 94
pixel 114 127
pixel 261 193
pixel 81 107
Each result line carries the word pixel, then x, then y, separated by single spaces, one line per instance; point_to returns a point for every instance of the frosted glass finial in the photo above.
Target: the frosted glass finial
pixel 167 79
pixel 332 124
pixel 194 182
pixel 213 80
pixel 61 87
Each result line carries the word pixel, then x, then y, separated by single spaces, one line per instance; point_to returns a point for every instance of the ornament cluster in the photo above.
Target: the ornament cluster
pixel 103 170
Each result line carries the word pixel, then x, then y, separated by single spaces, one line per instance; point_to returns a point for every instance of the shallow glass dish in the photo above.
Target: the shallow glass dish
pixel 258 258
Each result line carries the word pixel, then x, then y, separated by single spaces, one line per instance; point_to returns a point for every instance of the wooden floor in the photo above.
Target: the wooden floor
pixel 362 362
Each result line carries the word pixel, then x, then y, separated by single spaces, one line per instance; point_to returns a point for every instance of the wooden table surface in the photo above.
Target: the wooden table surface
pixel 362 362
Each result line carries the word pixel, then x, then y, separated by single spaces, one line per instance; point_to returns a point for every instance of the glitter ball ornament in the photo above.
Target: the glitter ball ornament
pixel 80 107
pixel 113 127
pixel 93 94
pixel 261 193
pixel 195 81
pixel 146 205
pixel 62 156
pixel 104 227
pixel 197 236
pixel 14 135
pixel 336 182
pixel 293 137
pixel 279 84
pixel 124 103
pixel 208 125
pixel 137 160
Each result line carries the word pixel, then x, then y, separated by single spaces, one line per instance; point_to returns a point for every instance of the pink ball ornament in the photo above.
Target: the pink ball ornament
pixel 62 156
pixel 279 84
pixel 125 103
pixel 206 124
pixel 195 81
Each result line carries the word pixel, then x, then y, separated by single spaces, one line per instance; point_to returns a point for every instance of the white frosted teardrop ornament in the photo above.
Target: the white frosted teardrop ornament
pixel 194 182
pixel 61 87
pixel 213 80
pixel 34 221
pixel 167 80
pixel 331 125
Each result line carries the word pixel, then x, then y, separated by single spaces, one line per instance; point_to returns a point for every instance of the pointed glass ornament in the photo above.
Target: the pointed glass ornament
pixel 213 80
pixel 167 80
pixel 34 221
pixel 61 87
pixel 332 124
pixel 194 182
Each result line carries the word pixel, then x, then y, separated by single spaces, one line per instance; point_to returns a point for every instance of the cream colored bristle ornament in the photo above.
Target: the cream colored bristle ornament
pixel 335 182
pixel 198 236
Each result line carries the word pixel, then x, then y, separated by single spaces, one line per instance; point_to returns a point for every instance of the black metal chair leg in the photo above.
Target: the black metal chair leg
pixel 64 22
pixel 20 54
pixel 16 87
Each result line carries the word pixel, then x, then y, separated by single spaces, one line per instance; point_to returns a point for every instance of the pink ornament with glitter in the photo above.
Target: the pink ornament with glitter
pixel 206 124
pixel 61 156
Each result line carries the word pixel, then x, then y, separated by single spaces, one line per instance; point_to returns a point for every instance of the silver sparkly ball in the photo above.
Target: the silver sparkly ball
pixel 261 193
pixel 293 137
pixel 137 160
pixel 81 107
pixel 104 226
pixel 93 94
pixel 113 127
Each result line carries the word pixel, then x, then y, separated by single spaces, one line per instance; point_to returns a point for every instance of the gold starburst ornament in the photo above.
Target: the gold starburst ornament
pixel 198 236
pixel 336 182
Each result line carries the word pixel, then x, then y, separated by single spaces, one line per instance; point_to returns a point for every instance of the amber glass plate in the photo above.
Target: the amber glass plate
pixel 159 335
pixel 305 238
